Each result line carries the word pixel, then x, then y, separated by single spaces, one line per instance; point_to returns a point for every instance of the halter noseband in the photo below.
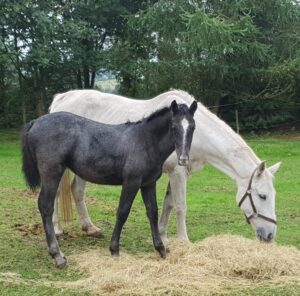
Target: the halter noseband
pixel 255 213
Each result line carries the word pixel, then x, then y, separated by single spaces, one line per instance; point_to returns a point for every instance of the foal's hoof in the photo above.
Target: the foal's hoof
pixel 61 262
pixel 60 236
pixel 162 252
pixel 114 251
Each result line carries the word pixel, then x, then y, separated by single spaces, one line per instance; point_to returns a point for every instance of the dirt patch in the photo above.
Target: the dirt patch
pixel 19 192
pixel 34 229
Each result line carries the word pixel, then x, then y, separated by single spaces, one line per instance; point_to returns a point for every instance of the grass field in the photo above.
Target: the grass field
pixel 211 210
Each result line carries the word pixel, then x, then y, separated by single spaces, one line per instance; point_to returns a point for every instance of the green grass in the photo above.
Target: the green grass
pixel 211 210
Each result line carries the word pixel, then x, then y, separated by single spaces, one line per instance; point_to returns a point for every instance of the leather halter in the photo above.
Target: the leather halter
pixel 255 213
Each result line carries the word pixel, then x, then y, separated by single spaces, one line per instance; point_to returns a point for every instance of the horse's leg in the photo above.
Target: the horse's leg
pixel 149 198
pixel 164 218
pixel 178 181
pixel 129 191
pixel 50 183
pixel 78 187
pixel 57 229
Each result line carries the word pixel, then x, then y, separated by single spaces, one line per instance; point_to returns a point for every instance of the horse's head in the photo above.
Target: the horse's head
pixel 257 200
pixel 183 126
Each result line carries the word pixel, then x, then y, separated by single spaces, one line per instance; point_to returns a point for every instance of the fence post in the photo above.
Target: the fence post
pixel 237 121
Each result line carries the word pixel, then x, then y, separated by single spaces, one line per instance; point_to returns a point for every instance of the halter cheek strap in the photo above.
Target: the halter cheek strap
pixel 255 214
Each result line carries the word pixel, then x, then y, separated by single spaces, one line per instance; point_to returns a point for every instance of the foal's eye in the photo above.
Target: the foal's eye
pixel 262 196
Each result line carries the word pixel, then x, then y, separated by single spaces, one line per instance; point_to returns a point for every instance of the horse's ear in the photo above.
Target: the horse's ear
pixel 174 107
pixel 274 168
pixel 261 168
pixel 193 107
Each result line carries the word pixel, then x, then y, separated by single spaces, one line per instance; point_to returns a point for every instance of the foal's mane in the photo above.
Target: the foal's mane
pixel 155 114
pixel 159 113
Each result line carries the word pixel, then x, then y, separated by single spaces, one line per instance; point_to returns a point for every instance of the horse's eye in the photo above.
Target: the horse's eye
pixel 262 196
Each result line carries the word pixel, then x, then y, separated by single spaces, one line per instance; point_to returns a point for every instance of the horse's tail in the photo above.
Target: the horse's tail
pixel 29 167
pixel 65 197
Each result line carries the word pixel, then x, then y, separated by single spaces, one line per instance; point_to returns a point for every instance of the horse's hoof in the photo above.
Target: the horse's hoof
pixel 61 262
pixel 164 240
pixel 95 233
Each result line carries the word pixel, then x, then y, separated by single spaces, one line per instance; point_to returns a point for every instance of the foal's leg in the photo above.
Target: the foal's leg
pixel 149 198
pixel 87 225
pixel 129 191
pixel 50 183
pixel 178 180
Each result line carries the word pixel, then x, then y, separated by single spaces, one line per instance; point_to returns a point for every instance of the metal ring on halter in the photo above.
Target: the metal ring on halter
pixel 255 213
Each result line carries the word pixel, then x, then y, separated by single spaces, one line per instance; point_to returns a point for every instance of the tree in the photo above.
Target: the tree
pixel 216 49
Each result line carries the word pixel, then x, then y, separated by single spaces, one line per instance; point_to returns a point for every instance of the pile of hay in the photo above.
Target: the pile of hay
pixel 210 266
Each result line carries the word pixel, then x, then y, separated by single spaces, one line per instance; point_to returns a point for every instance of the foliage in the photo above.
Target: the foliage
pixel 216 49
pixel 242 52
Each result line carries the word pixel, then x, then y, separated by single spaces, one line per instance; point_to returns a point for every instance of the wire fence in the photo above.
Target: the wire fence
pixel 295 107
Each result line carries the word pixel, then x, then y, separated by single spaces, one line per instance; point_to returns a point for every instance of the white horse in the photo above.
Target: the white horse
pixel 214 142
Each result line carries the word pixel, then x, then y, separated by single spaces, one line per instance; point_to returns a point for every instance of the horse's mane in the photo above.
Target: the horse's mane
pixel 225 129
pixel 221 125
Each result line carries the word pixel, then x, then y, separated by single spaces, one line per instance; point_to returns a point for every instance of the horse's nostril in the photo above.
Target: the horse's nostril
pixel 183 158
pixel 270 236
pixel 182 162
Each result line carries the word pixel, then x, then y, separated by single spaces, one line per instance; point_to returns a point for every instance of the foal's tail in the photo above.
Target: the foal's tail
pixel 29 166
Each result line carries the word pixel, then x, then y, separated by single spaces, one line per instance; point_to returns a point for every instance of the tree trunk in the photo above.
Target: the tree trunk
pixel 79 80
pixel 86 77
pixel 39 92
pixel 93 78
pixel 20 79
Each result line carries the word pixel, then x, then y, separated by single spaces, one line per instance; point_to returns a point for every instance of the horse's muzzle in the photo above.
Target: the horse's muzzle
pixel 263 237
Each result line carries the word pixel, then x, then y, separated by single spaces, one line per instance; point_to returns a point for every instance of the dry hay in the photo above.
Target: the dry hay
pixel 215 265
pixel 209 266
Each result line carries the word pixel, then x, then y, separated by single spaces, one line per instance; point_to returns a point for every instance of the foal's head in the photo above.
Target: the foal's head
pixel 257 200
pixel 183 126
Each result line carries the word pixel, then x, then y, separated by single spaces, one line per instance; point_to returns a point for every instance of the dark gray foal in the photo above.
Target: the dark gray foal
pixel 131 155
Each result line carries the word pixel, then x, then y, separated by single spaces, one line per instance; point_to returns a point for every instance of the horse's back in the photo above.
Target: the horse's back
pixel 111 108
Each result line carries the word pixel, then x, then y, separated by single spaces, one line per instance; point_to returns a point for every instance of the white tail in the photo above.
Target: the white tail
pixel 65 197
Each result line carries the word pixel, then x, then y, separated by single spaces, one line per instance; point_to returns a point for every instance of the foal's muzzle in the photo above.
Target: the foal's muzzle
pixel 183 160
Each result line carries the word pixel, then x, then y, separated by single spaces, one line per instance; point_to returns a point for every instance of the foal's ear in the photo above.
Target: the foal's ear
pixel 193 107
pixel 174 107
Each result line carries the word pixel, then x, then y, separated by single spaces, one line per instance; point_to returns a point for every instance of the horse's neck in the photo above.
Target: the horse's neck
pixel 223 148
pixel 159 133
